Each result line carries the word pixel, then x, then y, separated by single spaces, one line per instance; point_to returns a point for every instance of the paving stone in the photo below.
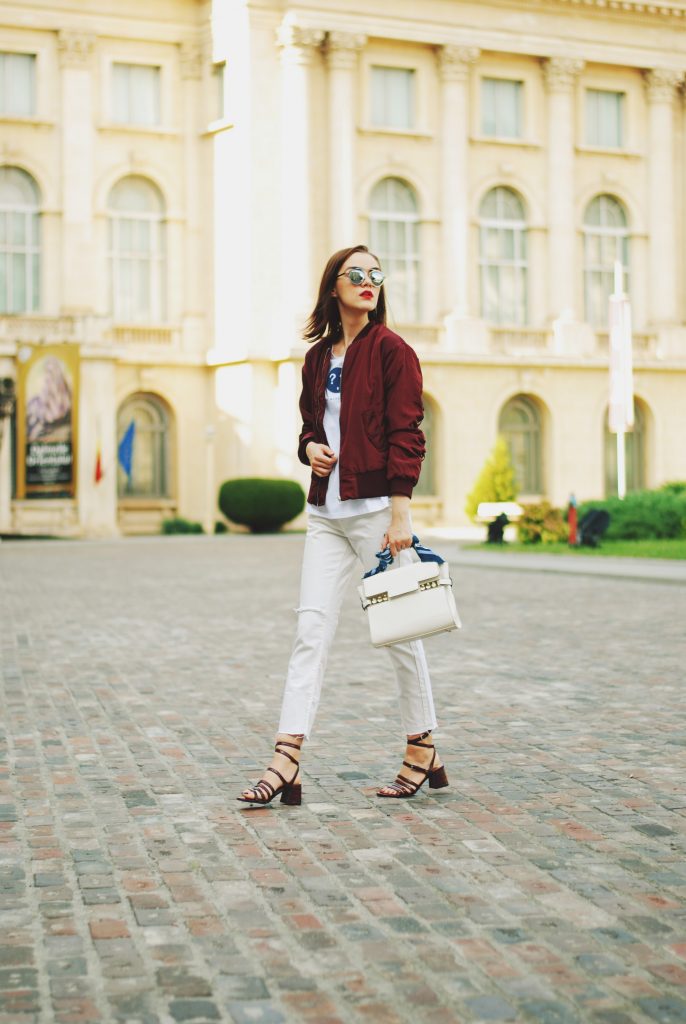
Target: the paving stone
pixel 545 884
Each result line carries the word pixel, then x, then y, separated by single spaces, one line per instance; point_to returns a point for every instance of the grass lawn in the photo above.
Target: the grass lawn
pixel 624 548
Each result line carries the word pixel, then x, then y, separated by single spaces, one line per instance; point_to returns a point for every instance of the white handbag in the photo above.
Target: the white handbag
pixel 411 601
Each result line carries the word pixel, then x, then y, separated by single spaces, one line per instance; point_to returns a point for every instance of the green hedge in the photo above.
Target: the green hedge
pixel 180 525
pixel 643 515
pixel 261 504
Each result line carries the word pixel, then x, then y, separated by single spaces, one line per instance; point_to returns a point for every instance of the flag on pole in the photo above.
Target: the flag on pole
pixel 621 412
pixel 125 452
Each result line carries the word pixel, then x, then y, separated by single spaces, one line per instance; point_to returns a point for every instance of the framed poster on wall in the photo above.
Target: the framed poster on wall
pixel 47 418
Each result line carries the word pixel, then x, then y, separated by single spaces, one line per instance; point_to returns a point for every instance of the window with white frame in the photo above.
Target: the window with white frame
pixel 136 94
pixel 605 118
pixel 149 477
pixel 18 84
pixel 394 238
pixel 19 242
pixel 503 257
pixel 393 97
pixel 606 241
pixel 137 251
pixel 501 108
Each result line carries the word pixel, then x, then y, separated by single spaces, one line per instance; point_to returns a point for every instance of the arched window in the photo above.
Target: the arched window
pixel 427 477
pixel 634 454
pixel 394 237
pixel 148 441
pixel 503 257
pixel 520 423
pixel 19 242
pixel 137 251
pixel 606 239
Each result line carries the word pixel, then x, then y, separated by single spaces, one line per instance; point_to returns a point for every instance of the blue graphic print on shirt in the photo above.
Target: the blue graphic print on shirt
pixel 333 384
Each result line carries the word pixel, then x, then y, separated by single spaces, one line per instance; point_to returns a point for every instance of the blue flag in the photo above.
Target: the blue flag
pixel 125 453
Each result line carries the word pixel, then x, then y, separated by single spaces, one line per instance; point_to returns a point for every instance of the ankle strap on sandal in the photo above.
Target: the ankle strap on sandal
pixel 416 740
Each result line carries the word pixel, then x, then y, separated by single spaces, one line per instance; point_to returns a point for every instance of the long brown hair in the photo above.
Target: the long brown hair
pixel 325 320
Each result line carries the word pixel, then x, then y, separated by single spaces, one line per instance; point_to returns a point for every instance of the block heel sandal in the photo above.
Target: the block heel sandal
pixel 264 792
pixel 404 787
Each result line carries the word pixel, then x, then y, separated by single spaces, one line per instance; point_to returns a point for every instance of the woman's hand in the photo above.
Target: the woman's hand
pixel 399 533
pixel 322 458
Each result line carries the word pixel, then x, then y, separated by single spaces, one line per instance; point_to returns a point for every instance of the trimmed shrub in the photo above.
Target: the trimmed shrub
pixel 180 525
pixel 261 504
pixel 674 487
pixel 496 482
pixel 643 515
pixel 542 524
pixel 220 526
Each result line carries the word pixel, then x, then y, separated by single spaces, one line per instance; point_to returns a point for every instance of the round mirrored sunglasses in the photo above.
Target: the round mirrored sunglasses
pixel 356 275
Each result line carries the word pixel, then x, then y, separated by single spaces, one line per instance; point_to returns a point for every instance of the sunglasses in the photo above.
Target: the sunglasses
pixel 357 275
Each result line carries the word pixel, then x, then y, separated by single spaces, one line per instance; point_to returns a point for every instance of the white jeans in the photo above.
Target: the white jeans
pixel 332 549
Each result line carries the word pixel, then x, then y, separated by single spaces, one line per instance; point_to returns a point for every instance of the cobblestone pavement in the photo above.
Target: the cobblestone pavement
pixel 142 683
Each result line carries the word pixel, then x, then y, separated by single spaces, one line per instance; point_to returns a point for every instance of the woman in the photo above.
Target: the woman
pixel 361 406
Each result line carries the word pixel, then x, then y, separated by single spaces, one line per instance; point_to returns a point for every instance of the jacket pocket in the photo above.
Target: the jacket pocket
pixel 373 426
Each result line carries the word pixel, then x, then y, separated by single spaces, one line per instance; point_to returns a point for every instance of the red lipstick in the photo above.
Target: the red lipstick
pixel 366 294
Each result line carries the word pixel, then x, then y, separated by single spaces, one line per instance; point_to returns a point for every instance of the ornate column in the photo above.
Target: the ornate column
pixel 191 265
pixel 660 88
pixel 560 77
pixel 341 55
pixel 78 135
pixel 298 46
pixel 454 65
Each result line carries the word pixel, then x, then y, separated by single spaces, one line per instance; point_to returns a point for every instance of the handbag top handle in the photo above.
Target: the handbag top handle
pixel 385 557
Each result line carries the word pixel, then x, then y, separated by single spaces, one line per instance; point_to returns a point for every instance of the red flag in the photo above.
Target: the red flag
pixel 98 465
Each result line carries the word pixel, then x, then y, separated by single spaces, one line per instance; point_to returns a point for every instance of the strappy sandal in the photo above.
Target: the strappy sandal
pixel 404 788
pixel 264 792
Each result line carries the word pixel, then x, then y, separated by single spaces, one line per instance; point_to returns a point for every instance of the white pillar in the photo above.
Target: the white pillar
pixel 660 88
pixel 192 268
pixel 298 46
pixel 341 55
pixel 560 76
pixel 454 65
pixel 78 128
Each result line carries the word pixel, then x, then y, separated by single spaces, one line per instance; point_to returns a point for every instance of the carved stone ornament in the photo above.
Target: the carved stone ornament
pixel 191 59
pixel 299 42
pixel 454 61
pixel 342 49
pixel 561 73
pixel 75 48
pixel 661 84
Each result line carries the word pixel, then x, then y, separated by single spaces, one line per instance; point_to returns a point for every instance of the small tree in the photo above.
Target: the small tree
pixel 496 482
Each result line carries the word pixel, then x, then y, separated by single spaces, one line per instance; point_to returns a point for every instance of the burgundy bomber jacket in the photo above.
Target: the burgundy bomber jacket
pixel 382 446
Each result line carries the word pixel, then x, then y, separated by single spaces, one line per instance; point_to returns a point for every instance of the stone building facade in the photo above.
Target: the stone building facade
pixel 173 179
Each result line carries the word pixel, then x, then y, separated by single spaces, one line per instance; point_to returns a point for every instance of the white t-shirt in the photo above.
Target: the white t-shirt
pixel 334 508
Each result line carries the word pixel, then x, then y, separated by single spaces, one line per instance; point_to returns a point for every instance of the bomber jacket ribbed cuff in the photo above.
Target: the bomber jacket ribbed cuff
pixel 302 449
pixel 400 485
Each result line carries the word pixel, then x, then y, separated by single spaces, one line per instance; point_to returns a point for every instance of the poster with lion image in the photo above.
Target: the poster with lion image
pixel 47 416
